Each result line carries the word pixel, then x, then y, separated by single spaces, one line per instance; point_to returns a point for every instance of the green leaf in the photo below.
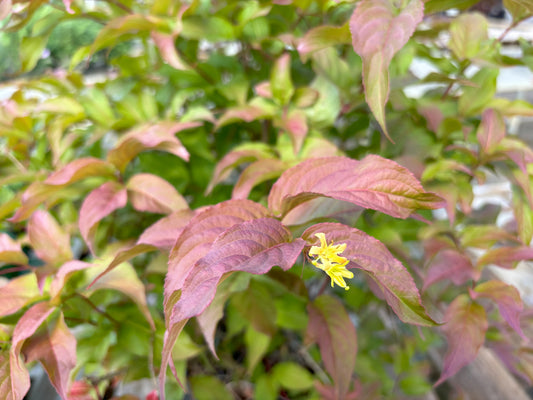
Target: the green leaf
pixel 437 6
pixel 519 9
pixel 257 306
pixel 206 387
pixel 256 347
pixel 280 80
pixel 475 98
pixel 468 33
pixel 31 49
pixel 292 376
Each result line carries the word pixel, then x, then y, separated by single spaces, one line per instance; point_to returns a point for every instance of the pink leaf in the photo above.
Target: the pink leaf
pixel 322 37
pixel 247 113
pixel 323 207
pixel 14 378
pixel 28 324
pixel 153 194
pixel 80 169
pixel 253 246
pixel 330 326
pixel 158 136
pixel 240 155
pixel 506 256
pixel 49 241
pixel 373 182
pixel 263 90
pixel 256 173
pixel 491 131
pixel 5 8
pixel 10 251
pixel 371 256
pixel 295 124
pixel 163 233
pixel 67 4
pixel 167 48
pixel 18 292
pixel 453 265
pixel 56 350
pixel 508 300
pixel 378 31
pixel 98 204
pixel 465 327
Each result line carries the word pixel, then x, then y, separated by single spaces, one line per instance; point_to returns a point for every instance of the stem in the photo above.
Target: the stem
pixel 508 29
pixel 459 73
pixel 95 308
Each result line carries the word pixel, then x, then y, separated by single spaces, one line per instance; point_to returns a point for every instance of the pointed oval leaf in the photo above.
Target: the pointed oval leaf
pixel 371 256
pixel 253 246
pixel 242 154
pixel 295 124
pixel 5 8
pixel 56 350
pixel 374 182
pixel 519 9
pixel 465 327
pixel 453 265
pixel 256 173
pixel 168 51
pixel 467 34
pixel 14 378
pixel 280 79
pixel 491 131
pixel 378 31
pixel 18 292
pixel 98 204
pixel 331 327
pixel 247 113
pixel 508 299
pixel 151 193
pixel 158 136
pixel 323 36
pixel 50 242
pixel 10 251
pixel 63 274
pixel 163 233
pixel 80 169
pixel 28 324
pixel 505 256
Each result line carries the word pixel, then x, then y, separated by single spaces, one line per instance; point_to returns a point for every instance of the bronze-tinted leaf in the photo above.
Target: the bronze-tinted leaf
pixel 154 194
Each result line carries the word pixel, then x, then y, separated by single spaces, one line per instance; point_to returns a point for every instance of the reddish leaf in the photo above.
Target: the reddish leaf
pixel 465 327
pixel 253 246
pixel 37 194
pixel 256 173
pixel 67 4
pixel 158 136
pixel 247 113
pixel 98 204
pixel 50 242
pixel 330 326
pixel 453 265
pixel 14 378
pixel 56 350
pixel 163 233
pixel 242 154
pixel 81 390
pixel 322 37
pixel 373 182
pixel 167 48
pixel 507 298
pixel 295 123
pixel 80 169
pixel 491 131
pixel 18 292
pixel 506 256
pixel 122 278
pixel 10 251
pixel 153 194
pixel 378 32
pixel 263 90
pixel 370 255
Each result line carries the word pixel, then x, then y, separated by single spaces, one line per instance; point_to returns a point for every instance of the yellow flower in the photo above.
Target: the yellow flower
pixel 326 257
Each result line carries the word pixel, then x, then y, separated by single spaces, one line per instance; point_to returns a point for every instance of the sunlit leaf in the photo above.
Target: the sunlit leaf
pixel 323 36
pixel 468 34
pixel 50 242
pixel 519 9
pixel 17 293
pixel 10 251
pixel 280 80
pixel 55 348
pixel 491 131
pixel 453 265
pixel 506 256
